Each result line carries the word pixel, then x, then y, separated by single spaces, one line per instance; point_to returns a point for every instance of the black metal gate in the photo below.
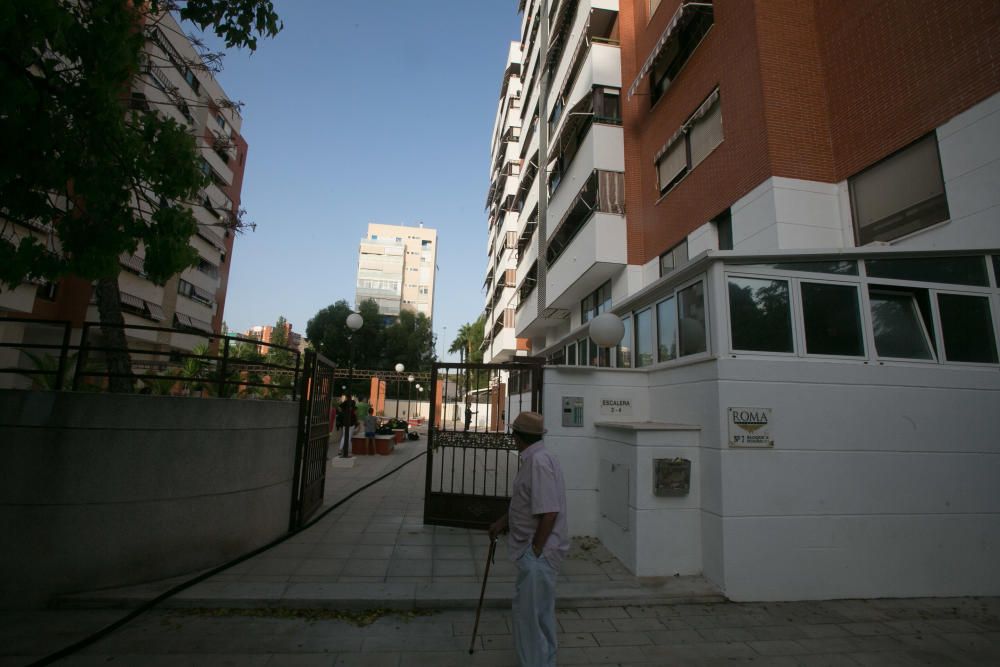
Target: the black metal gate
pixel 309 480
pixel 471 456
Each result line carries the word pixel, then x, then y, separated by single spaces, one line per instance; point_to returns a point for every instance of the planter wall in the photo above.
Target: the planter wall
pixel 103 490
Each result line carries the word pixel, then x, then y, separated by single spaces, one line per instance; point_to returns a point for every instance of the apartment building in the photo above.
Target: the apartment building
pixel 265 334
pixel 532 283
pixel 804 402
pixel 397 267
pixel 171 83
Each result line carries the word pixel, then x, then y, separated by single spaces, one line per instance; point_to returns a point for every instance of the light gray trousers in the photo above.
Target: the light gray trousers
pixel 535 611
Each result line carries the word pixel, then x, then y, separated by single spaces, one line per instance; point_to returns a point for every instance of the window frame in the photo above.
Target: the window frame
pixel 991 299
pixel 684 138
pixel 932 344
pixel 930 137
pixel 680 359
pixel 793 315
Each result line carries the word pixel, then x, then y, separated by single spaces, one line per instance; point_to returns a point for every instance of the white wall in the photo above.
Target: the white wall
pixel 788 213
pixel 882 481
pixel 969 145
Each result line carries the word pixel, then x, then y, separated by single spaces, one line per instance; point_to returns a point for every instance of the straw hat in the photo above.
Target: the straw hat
pixel 531 423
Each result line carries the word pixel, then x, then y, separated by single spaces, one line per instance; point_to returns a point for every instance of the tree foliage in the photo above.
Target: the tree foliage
pixel 408 340
pixel 94 178
pixel 469 340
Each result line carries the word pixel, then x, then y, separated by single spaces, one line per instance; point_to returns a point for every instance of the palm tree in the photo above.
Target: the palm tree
pixel 462 342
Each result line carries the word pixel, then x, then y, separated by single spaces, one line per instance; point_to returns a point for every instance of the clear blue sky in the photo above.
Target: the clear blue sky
pixel 364 112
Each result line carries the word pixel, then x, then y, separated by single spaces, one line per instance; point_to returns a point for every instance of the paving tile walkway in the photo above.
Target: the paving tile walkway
pixel 374 550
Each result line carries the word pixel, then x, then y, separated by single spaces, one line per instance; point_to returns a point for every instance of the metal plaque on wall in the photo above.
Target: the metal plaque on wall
pixel 750 427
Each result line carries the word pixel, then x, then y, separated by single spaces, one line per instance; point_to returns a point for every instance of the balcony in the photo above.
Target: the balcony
pixel 600 148
pixel 593 255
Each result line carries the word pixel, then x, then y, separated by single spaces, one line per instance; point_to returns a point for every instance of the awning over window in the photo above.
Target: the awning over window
pixel 665 36
pixel 131 301
pixel 576 116
pixel 155 312
pixel 130 261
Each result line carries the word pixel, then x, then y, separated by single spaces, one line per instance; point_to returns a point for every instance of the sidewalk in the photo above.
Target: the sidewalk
pixel 414 589
pixel 375 551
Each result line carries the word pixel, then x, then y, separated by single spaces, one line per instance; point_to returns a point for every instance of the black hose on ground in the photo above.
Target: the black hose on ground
pixel 149 604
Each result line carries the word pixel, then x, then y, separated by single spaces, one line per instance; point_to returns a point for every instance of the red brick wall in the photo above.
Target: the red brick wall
pixel 896 69
pixel 727 58
pixel 810 89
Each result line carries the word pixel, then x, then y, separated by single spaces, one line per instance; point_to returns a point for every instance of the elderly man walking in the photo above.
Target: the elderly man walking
pixel 538 541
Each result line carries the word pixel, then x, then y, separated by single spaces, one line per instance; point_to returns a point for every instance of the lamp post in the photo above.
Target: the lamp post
pixel 420 391
pixel 409 395
pixel 607 330
pixel 399 371
pixel 354 322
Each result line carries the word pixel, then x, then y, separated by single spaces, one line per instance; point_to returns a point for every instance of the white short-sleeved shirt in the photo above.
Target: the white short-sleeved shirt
pixel 538 489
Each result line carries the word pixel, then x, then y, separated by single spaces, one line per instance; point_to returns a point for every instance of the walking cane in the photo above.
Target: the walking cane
pixel 482 594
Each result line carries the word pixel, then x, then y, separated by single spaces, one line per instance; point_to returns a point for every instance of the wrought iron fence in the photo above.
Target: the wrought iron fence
pixel 213 365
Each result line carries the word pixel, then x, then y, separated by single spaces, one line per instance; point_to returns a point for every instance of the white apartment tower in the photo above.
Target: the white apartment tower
pixel 584 175
pixel 396 268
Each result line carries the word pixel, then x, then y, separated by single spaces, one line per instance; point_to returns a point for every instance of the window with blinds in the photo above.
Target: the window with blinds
pixel 691 144
pixel 899 195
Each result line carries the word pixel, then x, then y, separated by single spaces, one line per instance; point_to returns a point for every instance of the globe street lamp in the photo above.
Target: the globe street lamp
pixel 419 399
pixel 399 370
pixel 354 322
pixel 607 330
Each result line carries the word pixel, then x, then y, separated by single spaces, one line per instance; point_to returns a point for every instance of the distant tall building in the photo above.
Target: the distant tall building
pixel 396 268
pixel 265 334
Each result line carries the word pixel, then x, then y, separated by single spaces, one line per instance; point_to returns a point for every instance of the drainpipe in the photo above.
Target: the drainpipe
pixel 543 157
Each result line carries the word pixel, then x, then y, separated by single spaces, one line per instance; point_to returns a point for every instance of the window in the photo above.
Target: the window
pixel 760 315
pixel 599 356
pixel 899 195
pixel 208 268
pixel 899 325
pixel 996 270
pixel 674 258
pixel 595 303
pixel 138 102
pixel 194 292
pixel 644 338
pixel 691 144
pixel 724 229
pixel 666 329
pixel 950 270
pixel 191 79
pixel 695 23
pixel 624 356
pixel 571 354
pixel 691 333
pixel 967 328
pixel 607 105
pixel 832 319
